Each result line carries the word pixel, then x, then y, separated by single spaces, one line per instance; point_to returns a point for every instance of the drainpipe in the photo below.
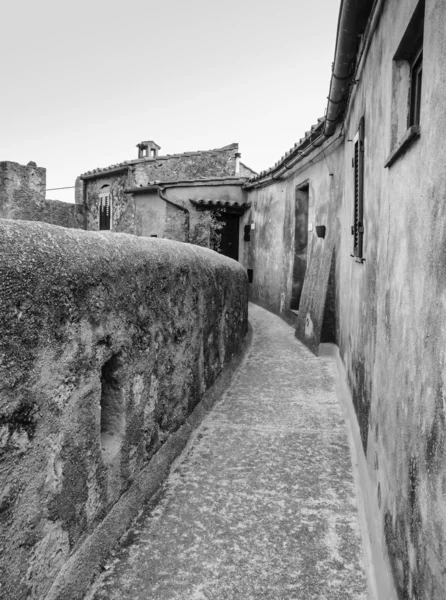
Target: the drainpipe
pixel 346 46
pixel 342 74
pixel 183 208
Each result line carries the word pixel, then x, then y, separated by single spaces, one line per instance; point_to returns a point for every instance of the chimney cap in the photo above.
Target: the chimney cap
pixel 148 144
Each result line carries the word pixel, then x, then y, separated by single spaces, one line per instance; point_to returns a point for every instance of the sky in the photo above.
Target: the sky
pixel 84 82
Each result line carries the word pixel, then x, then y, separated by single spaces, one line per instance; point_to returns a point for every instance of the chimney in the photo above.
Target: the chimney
pixel 237 163
pixel 148 149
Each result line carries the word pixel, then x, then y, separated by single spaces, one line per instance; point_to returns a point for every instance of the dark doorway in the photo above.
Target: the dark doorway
pixel 300 244
pixel 229 235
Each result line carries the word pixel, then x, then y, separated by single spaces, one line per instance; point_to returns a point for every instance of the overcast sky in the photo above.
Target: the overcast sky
pixel 84 82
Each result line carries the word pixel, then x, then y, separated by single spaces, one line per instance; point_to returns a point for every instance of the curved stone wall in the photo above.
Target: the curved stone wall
pixel 108 342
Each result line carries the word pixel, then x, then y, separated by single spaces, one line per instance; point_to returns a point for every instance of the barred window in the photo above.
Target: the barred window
pixel 358 213
pixel 105 208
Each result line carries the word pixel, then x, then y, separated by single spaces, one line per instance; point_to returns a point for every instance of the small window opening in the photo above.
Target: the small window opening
pixel 112 409
pixel 153 152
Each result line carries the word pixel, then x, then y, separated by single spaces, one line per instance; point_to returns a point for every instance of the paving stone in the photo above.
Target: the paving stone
pixel 262 504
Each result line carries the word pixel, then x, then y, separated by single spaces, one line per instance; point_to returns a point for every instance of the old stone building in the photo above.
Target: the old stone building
pixel 150 196
pixel 160 196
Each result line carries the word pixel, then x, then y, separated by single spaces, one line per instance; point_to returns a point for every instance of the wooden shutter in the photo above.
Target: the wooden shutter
pixel 104 212
pixel 358 214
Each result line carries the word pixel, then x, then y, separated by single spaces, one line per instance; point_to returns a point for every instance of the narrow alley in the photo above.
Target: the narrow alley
pixel 262 503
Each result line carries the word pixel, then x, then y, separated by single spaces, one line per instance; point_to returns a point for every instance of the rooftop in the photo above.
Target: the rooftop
pixel 125 164
pixel 298 148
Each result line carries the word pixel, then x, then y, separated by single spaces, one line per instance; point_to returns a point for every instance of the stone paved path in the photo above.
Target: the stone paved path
pixel 262 505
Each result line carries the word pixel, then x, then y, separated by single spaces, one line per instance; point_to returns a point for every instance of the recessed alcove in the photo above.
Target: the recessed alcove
pixel 112 408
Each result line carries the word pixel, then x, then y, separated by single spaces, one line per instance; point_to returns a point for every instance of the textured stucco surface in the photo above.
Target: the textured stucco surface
pixel 97 326
pixel 392 335
pixel 270 253
pixel 262 505
pixel 389 309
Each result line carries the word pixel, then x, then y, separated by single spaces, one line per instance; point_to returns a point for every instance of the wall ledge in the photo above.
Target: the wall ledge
pixel 407 140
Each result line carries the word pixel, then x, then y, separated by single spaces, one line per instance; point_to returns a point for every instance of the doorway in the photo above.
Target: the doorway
pixel 229 235
pixel 301 202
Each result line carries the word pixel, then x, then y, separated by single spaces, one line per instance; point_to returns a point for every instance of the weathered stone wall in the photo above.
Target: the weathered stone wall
pixel 389 309
pixel 123 205
pixel 108 342
pixel 22 196
pixel 190 165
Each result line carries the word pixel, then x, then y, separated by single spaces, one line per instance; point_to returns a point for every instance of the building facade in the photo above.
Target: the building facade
pixel 163 196
pixel 367 185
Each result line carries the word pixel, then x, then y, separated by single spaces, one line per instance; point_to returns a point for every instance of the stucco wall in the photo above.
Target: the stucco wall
pixel 150 214
pixel 22 196
pixel 390 308
pixel 392 334
pixel 270 253
pixel 108 342
pixel 146 214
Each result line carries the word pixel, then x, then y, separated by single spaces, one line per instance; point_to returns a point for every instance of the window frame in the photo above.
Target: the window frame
pixel 416 83
pixel 407 86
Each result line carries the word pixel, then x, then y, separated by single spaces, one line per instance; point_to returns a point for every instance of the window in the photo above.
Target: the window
pixel 416 73
pixel 407 75
pixel 105 208
pixel 358 211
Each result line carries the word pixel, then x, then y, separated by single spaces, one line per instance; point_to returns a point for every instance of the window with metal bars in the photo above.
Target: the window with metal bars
pixel 104 212
pixel 358 212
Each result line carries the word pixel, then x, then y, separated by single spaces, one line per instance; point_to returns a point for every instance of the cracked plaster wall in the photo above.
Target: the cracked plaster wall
pixel 389 309
pixel 166 316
